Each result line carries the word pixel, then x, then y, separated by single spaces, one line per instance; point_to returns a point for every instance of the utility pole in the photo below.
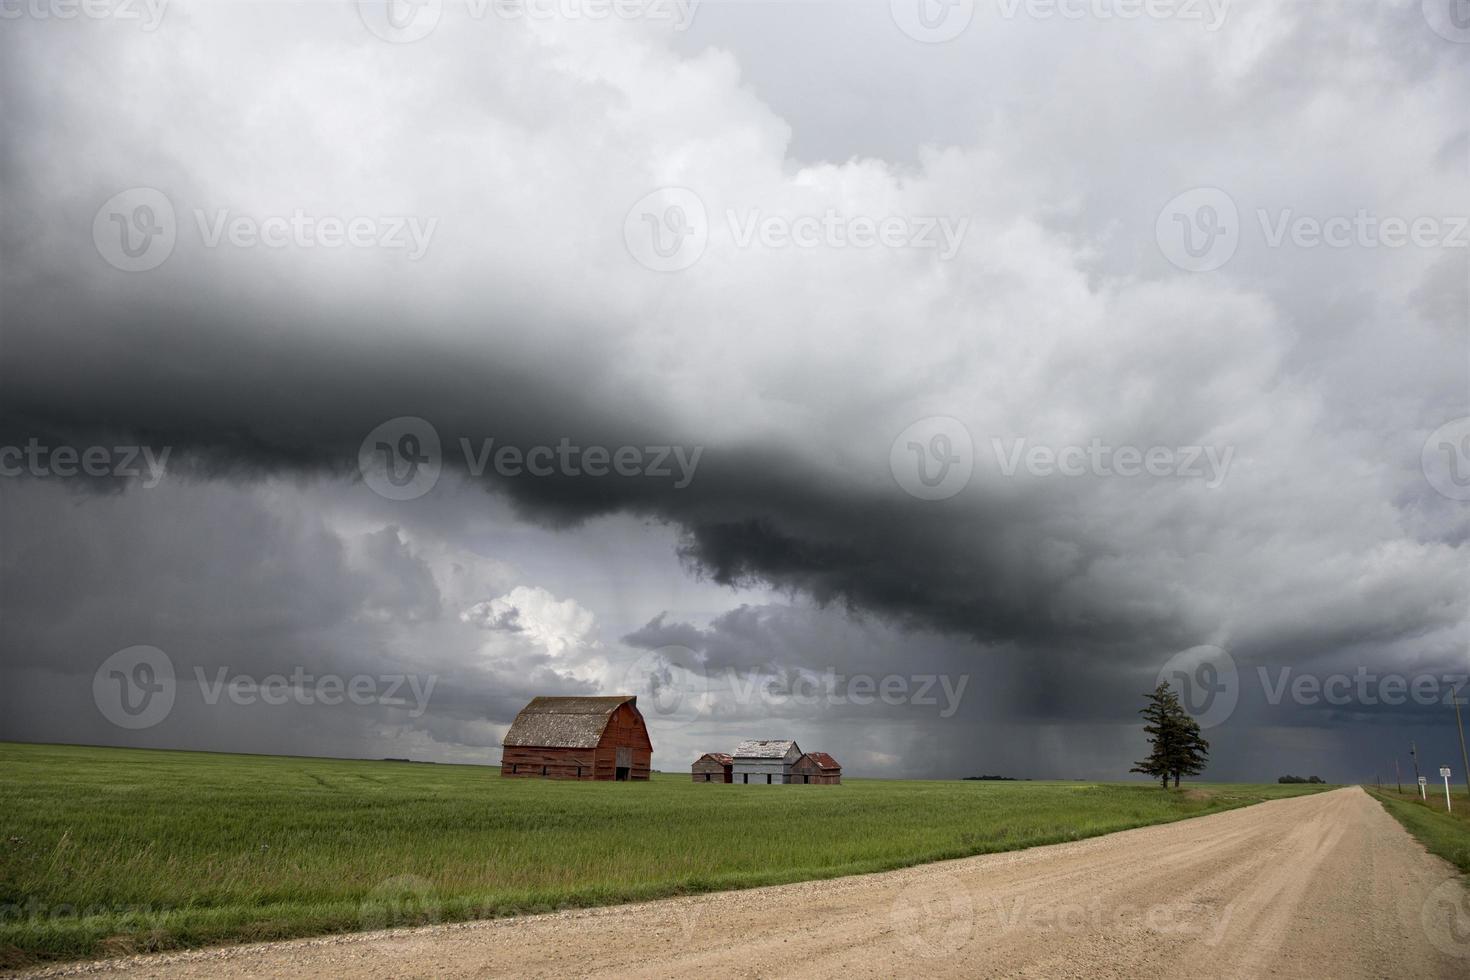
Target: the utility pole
pixel 1414 754
pixel 1464 756
pixel 1397 778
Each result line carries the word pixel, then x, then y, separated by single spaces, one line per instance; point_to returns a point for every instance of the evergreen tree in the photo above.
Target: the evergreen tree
pixel 1161 725
pixel 1191 751
pixel 1177 748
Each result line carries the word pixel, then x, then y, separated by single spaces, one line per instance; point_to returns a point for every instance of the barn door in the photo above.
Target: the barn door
pixel 623 763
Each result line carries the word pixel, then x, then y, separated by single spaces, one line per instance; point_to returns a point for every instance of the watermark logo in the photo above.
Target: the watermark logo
pixel 1445 459
pixel 135 687
pixel 135 230
pixel 1207 682
pixel 1208 463
pixel 666 679
pixel 934 917
pixel 403 900
pixel 932 21
pixel 401 459
pixel 400 21
pixel 1445 916
pixel 1199 230
pixel 667 230
pixel 140 463
pixel 777 687
pixel 148 13
pixel 1450 19
pixel 933 459
pixel 1211 13
pixel 679 13
pixel 410 234
pixel 938 233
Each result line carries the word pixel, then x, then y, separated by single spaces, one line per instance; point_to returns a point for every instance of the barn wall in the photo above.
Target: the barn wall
pixel 778 769
pixel 624 729
pixel 718 772
pixel 559 763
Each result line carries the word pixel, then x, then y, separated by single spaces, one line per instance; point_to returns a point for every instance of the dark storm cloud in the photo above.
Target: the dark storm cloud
pixel 527 322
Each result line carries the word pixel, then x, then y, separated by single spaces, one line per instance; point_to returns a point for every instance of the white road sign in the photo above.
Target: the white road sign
pixel 1444 771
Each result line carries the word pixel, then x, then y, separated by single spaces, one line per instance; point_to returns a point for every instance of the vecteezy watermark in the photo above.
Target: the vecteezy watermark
pixel 934 917
pixel 932 459
pixel 408 233
pixel 1362 229
pixel 403 900
pixel 1208 463
pixel 666 679
pixel 1023 913
pixel 134 230
pixel 1450 19
pixel 306 689
pixel 127 462
pixel 939 233
pixel 1200 230
pixel 807 688
pixel 1362 687
pixel 668 230
pixel 932 21
pixel 148 13
pixel 1445 918
pixel 136 688
pixel 137 230
pixel 1445 459
pixel 1210 13
pixel 35 911
pixel 406 21
pixel 1209 685
pixel 1207 681
pixel 401 459
pixel 400 21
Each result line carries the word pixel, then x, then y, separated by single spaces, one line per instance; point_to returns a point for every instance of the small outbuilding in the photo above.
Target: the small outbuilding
pixel 816 767
pixel 764 761
pixel 593 738
pixel 712 767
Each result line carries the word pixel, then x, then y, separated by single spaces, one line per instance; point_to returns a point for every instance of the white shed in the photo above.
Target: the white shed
pixel 764 761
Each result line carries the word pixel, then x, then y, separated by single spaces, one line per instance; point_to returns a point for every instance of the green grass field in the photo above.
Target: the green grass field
pixel 110 851
pixel 1445 834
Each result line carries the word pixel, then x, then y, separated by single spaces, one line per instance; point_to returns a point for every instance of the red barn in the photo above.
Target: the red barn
pixel 816 767
pixel 712 767
pixel 578 738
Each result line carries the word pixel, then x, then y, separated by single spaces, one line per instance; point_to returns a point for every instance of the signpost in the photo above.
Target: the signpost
pixel 1445 772
pixel 1422 781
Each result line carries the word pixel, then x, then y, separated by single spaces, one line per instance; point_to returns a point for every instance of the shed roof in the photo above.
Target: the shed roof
pixel 721 757
pixel 764 748
pixel 565 723
pixel 822 760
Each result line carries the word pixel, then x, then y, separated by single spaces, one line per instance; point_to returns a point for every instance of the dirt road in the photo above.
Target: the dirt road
pixel 1318 886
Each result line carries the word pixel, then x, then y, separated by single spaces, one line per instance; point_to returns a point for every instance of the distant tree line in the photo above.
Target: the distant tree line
pixel 1002 779
pixel 1177 747
pixel 1300 779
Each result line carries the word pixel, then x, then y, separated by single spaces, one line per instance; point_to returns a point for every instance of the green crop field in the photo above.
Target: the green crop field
pixel 110 851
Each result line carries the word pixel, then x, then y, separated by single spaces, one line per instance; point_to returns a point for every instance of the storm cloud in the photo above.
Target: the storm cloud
pixel 1154 459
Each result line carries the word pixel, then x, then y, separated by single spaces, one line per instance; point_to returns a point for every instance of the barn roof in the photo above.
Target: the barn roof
pixel 764 748
pixel 822 760
pixel 565 723
pixel 721 757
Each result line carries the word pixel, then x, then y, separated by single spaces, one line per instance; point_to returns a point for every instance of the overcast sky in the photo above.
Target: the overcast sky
pixel 919 381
